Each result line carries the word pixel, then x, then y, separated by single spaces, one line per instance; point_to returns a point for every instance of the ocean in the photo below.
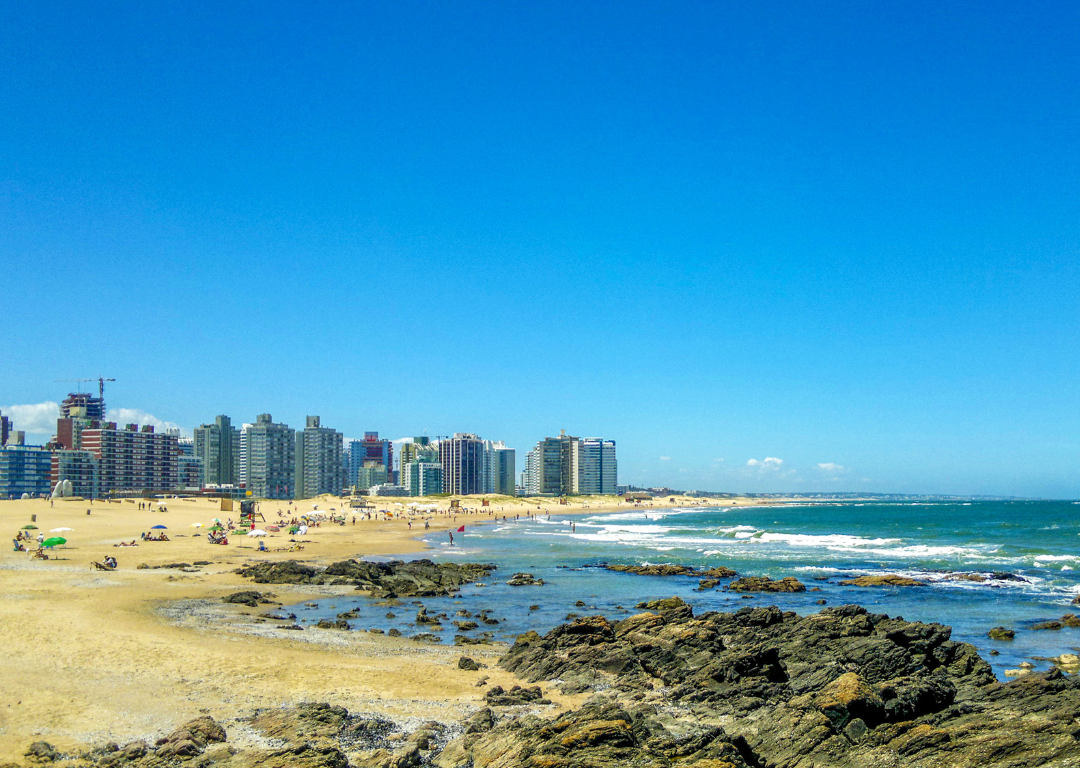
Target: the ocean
pixel 817 543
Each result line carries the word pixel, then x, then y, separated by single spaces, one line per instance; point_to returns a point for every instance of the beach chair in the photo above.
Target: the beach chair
pixel 96 566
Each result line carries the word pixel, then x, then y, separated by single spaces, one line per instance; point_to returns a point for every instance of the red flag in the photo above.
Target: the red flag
pixel 461 529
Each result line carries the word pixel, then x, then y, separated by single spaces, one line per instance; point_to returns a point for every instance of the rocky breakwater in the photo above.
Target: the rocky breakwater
pixel 761 687
pixel 417 578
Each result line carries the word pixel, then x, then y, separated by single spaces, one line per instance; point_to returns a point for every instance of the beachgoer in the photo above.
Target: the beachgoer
pixel 451 533
pixel 40 538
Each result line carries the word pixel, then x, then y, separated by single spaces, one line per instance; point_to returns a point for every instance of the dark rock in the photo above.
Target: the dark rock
pixel 765 584
pixel 394 633
pixel 339 624
pixel 1000 633
pixel 842 687
pixel 1070 620
pixel 888 580
pixel 598 735
pixel 516 696
pixel 524 580
pixel 249 598
pixel 466 626
pixel 42 752
pixel 468 664
pixel 534 607
pixel 705 584
pixel 418 578
pixel 1048 625
pixel 667 569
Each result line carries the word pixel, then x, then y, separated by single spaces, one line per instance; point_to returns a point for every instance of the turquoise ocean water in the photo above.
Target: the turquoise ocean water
pixel 819 543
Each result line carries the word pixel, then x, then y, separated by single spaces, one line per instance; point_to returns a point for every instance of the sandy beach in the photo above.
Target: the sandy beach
pixel 99 656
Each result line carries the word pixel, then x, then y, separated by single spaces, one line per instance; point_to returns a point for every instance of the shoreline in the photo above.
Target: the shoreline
pixel 116 669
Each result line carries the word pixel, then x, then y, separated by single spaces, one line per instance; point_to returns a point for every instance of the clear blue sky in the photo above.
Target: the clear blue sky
pixel 826 233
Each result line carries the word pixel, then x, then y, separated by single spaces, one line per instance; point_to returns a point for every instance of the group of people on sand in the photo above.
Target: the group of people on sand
pixel 24 540
pixel 152 537
pixel 217 537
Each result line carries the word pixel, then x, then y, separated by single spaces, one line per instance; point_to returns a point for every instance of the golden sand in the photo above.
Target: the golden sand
pixel 93 656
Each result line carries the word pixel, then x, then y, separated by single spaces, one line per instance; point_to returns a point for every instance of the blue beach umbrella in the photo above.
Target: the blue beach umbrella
pixel 156 527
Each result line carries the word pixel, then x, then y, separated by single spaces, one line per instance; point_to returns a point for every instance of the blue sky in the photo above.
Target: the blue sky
pixel 840 236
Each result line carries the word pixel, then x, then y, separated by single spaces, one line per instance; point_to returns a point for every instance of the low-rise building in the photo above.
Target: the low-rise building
pixel 386 489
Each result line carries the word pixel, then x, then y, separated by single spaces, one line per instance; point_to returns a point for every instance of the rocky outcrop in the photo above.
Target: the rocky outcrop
pixel 666 569
pixel 888 580
pixel 764 687
pixel 600 734
pixel 1001 633
pixel 765 584
pixel 418 578
pixel 250 598
pixel 524 580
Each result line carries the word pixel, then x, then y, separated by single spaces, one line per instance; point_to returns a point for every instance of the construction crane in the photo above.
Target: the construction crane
pixel 100 380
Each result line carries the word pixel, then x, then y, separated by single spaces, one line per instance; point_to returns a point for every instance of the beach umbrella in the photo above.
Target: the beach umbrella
pixel 215 528
pixel 273 528
pixel 256 532
pixel 196 525
pixel 61 530
pixel 29 527
pixel 158 527
pixel 294 528
pixel 55 541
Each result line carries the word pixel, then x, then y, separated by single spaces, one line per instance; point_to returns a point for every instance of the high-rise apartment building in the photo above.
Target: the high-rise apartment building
pixel 132 458
pixel 189 468
pixel 82 468
pixel 422 477
pixel 82 405
pixel 217 445
pixel 566 465
pixel 24 469
pixel 271 459
pixel 318 460
pixel 597 467
pixel 5 429
pixel 419 447
pixel 371 474
pixel 498 468
pixel 370 449
pixel 462 459
pixel 241 463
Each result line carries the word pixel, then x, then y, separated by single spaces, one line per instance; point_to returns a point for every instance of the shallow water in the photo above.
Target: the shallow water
pixel 817 543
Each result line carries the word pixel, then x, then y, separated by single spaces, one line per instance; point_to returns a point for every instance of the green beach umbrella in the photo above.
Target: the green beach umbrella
pixel 55 541
pixel 293 528
pixel 29 527
pixel 215 528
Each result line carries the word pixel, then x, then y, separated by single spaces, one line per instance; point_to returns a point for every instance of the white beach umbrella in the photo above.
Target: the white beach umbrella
pixel 257 532
pixel 61 530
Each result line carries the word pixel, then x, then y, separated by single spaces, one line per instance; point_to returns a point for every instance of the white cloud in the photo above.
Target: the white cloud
pixel 769 467
pixel 665 458
pixel 768 464
pixel 123 416
pixel 717 460
pixel 828 466
pixel 38 418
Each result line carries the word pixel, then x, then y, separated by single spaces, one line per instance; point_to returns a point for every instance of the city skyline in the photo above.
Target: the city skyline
pixel 767 248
